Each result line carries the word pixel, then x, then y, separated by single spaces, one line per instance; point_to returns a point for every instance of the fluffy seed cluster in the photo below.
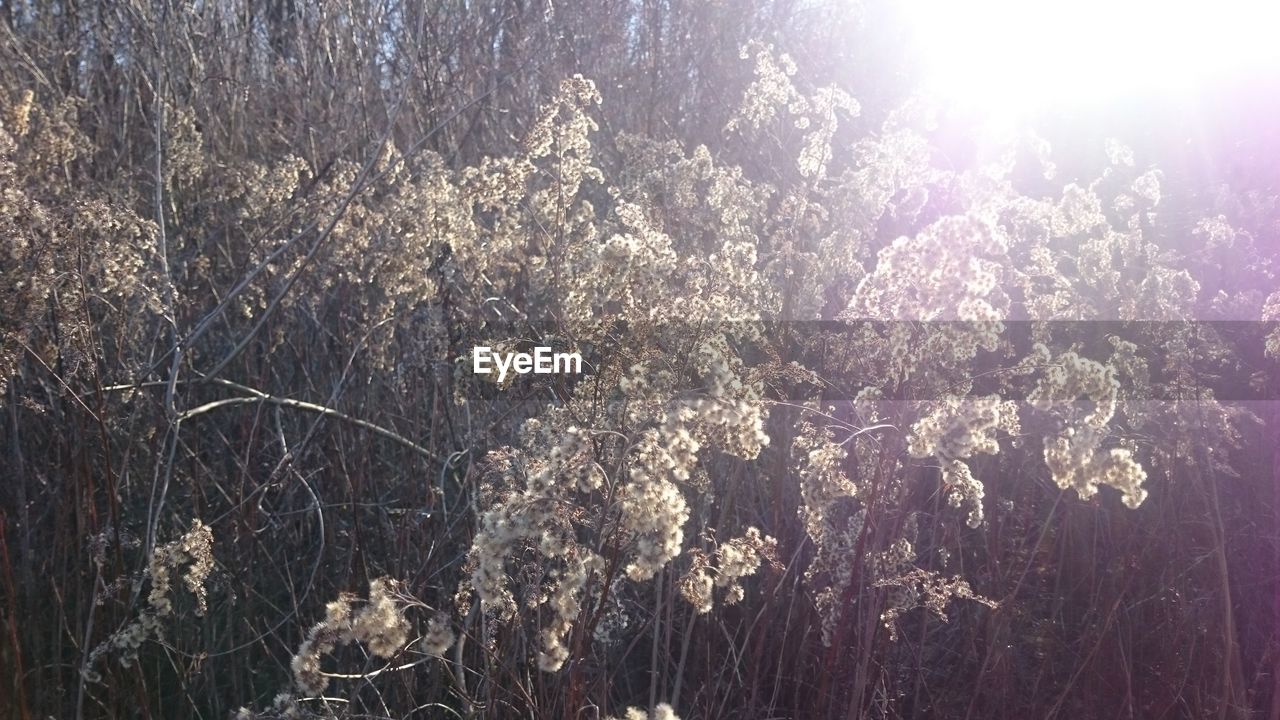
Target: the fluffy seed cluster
pixel 958 428
pixel 822 479
pixel 546 493
pixel 1083 394
pixel 379 623
pixel 1121 273
pixel 1271 314
pixel 565 605
pixel 625 273
pixel 662 711
pixel 439 637
pixel 949 271
pixel 927 589
pixel 737 559
pixel 70 260
pixel 833 517
pixel 770 91
pixel 193 550
pixel 653 509
pixel 193 554
pixel 964 491
pixel 729 410
pixel 819 114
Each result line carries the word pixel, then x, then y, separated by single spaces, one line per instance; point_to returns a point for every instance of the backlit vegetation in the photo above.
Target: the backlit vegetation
pixel 863 430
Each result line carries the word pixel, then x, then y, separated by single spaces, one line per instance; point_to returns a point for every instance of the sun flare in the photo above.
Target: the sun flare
pixel 1012 56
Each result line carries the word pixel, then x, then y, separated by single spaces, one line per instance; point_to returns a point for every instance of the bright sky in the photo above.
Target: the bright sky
pixel 1005 58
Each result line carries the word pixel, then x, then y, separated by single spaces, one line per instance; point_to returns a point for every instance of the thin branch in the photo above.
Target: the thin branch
pixel 255 396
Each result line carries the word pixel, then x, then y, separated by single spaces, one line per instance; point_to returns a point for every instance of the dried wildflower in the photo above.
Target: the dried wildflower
pixel 662 711
pixel 928 590
pixel 771 89
pixel 949 271
pixel 377 622
pixel 194 550
pixel 1119 153
pixel 1147 188
pixel 734 560
pixel 963 491
pixel 828 496
pixel 439 637
pixel 1075 456
pixel 960 427
pixel 697 583
pixel 653 509
pixel 380 623
pixel 822 108
pixel 565 606
pixel 740 558
pixel 18 120
pixel 1271 314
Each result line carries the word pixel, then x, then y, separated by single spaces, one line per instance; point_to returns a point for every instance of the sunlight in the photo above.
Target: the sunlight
pixel 1009 57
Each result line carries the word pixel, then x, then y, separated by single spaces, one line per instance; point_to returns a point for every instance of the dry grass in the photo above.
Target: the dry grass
pixel 864 433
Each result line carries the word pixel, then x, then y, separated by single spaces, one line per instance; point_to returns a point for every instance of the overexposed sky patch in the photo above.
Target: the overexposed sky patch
pixel 1010 57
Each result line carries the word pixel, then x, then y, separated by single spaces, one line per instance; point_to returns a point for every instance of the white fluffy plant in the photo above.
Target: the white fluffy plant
pixel 595 491
pixel 1083 394
pixel 955 429
pixel 662 711
pixel 586 501
pixel 194 552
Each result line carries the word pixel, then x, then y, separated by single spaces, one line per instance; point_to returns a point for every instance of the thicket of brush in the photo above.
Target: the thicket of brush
pixel 875 423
